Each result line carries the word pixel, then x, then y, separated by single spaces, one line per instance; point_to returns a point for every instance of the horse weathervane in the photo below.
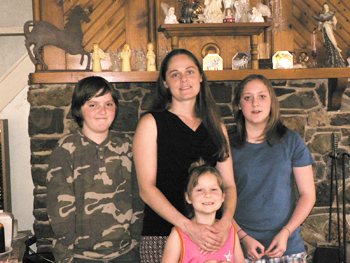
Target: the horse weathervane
pixel 43 33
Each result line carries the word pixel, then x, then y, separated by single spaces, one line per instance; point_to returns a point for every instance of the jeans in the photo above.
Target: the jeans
pixel 132 256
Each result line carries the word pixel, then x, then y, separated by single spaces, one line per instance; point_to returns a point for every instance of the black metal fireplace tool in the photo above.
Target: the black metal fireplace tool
pixel 332 253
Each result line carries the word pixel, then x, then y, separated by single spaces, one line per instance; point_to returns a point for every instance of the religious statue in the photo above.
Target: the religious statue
pixel 213 12
pixel 327 23
pixel 169 12
pixel 126 55
pixel 258 12
pixel 97 55
pixel 151 58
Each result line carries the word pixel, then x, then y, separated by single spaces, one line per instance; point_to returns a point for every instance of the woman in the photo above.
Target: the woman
pixel 268 158
pixel 183 126
pixel 328 23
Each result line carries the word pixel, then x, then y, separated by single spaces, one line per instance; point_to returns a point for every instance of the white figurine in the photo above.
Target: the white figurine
pixel 169 12
pixel 97 55
pixel 258 12
pixel 213 12
pixel 151 58
pixel 126 55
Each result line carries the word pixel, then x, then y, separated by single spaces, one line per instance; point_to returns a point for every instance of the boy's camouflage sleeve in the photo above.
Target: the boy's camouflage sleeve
pixel 138 207
pixel 61 204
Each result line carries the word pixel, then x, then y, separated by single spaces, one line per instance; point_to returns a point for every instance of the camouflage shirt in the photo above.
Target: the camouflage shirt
pixel 93 201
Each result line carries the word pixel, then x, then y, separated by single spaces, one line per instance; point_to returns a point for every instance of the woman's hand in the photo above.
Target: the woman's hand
pixel 278 245
pixel 206 237
pixel 251 246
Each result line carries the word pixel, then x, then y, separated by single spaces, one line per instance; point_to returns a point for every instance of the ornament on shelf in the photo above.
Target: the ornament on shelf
pixel 163 53
pixel 282 60
pixel 213 12
pixel 116 58
pixel 43 33
pixel 258 12
pixel 327 22
pixel 96 56
pixel 303 58
pixel 242 8
pixel 229 13
pixel 277 21
pixel 126 55
pixel 241 61
pixel 140 56
pixel 151 58
pixel 169 12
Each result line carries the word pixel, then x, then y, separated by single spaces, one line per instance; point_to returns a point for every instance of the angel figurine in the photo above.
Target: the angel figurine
pixel 169 12
pixel 96 56
pixel 140 56
pixel 213 12
pixel 327 23
pixel 258 12
pixel 126 55
pixel 151 58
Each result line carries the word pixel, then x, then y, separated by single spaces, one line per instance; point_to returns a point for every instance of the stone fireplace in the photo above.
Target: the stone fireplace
pixel 303 107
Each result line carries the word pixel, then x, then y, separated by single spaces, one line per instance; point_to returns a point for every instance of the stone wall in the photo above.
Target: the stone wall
pixel 303 107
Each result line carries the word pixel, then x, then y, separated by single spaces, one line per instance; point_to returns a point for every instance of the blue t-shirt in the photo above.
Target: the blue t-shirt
pixel 265 187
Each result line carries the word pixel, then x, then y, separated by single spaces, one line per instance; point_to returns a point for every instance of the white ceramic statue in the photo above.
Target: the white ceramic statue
pixel 213 12
pixel 169 12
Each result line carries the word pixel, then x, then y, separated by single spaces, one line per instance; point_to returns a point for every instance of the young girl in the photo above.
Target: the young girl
pixel 204 196
pixel 268 159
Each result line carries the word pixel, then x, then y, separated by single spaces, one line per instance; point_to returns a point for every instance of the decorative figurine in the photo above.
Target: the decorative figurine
pixel 151 58
pixel 212 62
pixel 163 53
pixel 126 55
pixel 303 58
pixel 97 55
pixel 140 59
pixel 212 11
pixel 348 60
pixel 69 39
pixel 258 12
pixel 242 7
pixel 186 11
pixel 327 23
pixel 229 14
pixel 116 58
pixel 169 12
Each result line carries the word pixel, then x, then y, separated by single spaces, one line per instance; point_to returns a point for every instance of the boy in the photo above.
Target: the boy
pixel 92 195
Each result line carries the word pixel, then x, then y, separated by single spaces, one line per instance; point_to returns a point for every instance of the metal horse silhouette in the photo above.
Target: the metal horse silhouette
pixel 43 33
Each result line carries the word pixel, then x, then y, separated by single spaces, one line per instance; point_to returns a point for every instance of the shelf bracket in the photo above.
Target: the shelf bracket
pixel 336 88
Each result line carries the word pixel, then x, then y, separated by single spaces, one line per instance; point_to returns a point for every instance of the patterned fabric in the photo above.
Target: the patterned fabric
pixel 191 254
pixel 152 248
pixel 295 258
pixel 92 198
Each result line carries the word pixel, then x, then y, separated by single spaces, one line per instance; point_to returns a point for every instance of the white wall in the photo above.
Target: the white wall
pixel 14 13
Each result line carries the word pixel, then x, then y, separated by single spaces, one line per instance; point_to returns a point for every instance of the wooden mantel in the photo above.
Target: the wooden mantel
pixel 337 78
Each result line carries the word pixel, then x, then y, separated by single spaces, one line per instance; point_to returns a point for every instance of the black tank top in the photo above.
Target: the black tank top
pixel 178 146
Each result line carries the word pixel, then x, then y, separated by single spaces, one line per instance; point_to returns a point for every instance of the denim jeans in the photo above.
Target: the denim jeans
pixel 132 256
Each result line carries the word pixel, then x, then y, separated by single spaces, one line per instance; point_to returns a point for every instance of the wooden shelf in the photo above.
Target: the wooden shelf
pixel 337 78
pixel 46 77
pixel 216 29
pixel 213 29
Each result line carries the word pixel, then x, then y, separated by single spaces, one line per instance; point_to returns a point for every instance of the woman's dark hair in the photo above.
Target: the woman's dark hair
pixel 274 130
pixel 205 107
pixel 196 170
pixel 87 88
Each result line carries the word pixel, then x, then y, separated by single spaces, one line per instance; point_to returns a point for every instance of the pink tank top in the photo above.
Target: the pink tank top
pixel 191 254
